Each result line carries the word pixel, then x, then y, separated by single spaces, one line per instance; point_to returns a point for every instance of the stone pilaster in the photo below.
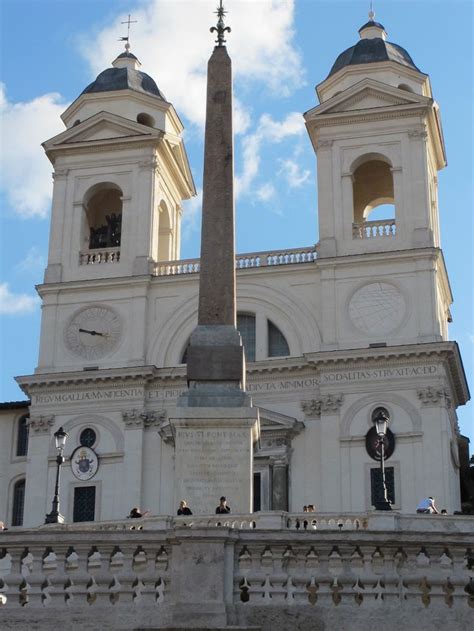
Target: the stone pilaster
pixel 36 503
pixel 280 485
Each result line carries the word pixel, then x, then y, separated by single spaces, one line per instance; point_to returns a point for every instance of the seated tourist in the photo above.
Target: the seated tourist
pixel 427 505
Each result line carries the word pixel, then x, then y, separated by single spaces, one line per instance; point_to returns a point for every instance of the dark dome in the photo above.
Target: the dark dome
pixel 368 51
pixel 127 55
pixel 124 79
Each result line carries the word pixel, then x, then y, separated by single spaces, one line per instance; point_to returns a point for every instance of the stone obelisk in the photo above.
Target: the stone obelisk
pixel 215 425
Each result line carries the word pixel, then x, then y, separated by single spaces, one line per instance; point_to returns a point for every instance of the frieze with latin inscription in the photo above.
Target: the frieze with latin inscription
pixel 88 395
pixel 254 387
pixel 379 373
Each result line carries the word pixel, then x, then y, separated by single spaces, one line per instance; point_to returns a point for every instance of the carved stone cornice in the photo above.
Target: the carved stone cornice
pixel 376 114
pixel 431 396
pixel 136 419
pixel 40 424
pixel 324 404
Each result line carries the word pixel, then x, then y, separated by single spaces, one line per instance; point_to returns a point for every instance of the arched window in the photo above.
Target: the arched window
pixel 18 503
pixel 103 207
pixel 246 325
pixel 277 344
pixel 88 437
pixel 145 119
pixel 373 187
pixel 22 436
pixel 404 86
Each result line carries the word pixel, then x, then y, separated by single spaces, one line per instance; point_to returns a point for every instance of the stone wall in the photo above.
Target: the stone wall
pixel 271 571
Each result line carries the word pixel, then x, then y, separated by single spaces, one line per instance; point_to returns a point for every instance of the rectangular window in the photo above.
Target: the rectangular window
pixel 18 503
pixel 257 491
pixel 84 503
pixel 376 488
pixel 22 437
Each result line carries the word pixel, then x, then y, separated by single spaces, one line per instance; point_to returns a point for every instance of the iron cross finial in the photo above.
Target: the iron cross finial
pixel 127 38
pixel 220 29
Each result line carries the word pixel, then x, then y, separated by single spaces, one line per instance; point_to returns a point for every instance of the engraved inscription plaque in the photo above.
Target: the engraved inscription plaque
pixel 212 461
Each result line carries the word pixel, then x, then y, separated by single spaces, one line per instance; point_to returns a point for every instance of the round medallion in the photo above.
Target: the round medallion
pixel 372 444
pixel 84 463
pixel 93 332
pixel 377 308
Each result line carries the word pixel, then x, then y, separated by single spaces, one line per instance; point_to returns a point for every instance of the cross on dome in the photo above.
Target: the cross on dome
pixel 127 38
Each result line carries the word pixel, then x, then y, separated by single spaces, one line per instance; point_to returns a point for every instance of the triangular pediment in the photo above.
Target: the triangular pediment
pixel 368 95
pixel 270 420
pixel 101 127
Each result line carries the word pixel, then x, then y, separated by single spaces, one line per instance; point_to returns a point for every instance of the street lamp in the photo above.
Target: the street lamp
pixel 381 424
pixel 55 517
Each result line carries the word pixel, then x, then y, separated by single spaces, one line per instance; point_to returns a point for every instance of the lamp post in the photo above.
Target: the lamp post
pixel 381 424
pixel 55 517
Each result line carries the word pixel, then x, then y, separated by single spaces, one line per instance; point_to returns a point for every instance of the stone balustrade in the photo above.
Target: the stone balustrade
pixel 373 229
pixel 347 571
pixel 97 256
pixel 242 261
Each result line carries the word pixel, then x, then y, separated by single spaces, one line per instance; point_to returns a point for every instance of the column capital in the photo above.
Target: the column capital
pixel 325 403
pixel 432 396
pixel 41 424
pixel 143 419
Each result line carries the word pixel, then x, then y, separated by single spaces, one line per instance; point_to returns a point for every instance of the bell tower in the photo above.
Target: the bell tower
pixel 120 175
pixel 378 138
pixel 379 144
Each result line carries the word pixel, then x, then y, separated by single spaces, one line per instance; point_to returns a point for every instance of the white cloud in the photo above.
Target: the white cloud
pixel 266 192
pixel 26 171
pixel 33 263
pixel 191 216
pixel 173 43
pixel 292 172
pixel 268 131
pixel 11 303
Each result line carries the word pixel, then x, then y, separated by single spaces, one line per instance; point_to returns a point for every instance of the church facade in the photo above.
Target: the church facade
pixel 333 333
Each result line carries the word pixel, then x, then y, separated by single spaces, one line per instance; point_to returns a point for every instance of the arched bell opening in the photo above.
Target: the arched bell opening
pixel 374 199
pixel 103 216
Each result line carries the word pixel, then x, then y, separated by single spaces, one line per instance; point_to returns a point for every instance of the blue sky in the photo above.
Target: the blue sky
pixel 51 49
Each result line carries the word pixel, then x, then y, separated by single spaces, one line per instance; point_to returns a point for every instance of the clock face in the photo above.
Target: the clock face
pixel 93 332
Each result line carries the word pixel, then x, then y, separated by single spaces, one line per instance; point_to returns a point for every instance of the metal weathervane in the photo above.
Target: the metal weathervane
pixel 220 29
pixel 127 38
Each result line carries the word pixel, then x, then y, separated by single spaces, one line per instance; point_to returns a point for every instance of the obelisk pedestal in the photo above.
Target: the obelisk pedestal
pixel 214 457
